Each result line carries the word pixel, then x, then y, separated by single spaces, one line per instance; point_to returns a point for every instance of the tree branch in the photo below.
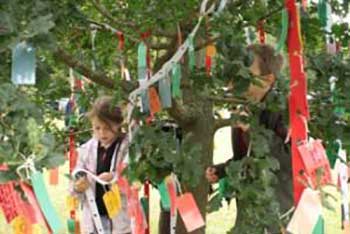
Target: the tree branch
pixel 180 114
pixel 228 100
pixel 103 10
pixel 97 77
pixel 220 123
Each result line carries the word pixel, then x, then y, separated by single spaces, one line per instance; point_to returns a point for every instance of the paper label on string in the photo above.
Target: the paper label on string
pixel 19 225
pixel 72 203
pixel 164 87
pixel 189 212
pixel 210 50
pixel 54 174
pixel 307 213
pixel 332 212
pixel 316 162
pixel 154 100
pixel 23 64
pixel 176 81
pixel 112 203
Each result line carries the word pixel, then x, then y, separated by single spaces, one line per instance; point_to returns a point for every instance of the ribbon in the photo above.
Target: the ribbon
pixel 121 40
pixel 176 81
pixel 191 53
pixel 284 31
pixel 261 31
pixel 45 203
pixel 23 64
pixel 298 105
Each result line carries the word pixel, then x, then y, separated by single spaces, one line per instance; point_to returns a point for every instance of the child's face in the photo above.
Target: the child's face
pixel 103 132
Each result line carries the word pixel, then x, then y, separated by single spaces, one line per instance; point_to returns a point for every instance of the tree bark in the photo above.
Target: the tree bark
pixel 203 132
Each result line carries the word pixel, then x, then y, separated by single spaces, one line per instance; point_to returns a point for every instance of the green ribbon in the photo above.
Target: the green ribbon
pixel 191 53
pixel 319 227
pixel 142 61
pixel 45 203
pixel 284 31
pixel 145 205
pixel 164 195
pixel 322 12
pixel 164 87
pixel 71 226
pixel 332 153
pixel 176 81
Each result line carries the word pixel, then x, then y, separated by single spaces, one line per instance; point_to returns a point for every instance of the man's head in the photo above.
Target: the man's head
pixel 265 61
pixel 265 66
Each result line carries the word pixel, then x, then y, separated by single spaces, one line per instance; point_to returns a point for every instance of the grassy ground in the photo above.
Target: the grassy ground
pixel 218 222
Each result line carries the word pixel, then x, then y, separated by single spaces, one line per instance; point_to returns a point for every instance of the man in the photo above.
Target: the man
pixel 266 65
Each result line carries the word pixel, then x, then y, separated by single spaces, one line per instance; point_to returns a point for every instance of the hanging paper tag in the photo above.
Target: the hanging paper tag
pixel 72 203
pixel 189 212
pixel 8 201
pixel 154 100
pixel 23 64
pixel 315 159
pixel 307 213
pixel 112 205
pixel 19 225
pixel 332 212
pixel 210 50
pixel 54 176
pixel 45 203
pixel 164 87
pixel 142 61
pixel 346 228
pixel 71 226
pixel 176 81
pixel 191 53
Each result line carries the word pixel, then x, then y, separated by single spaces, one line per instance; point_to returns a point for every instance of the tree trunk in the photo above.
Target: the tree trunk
pixel 203 132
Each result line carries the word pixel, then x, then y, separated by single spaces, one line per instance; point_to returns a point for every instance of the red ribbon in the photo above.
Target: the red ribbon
pixel 261 31
pixel 146 191
pixel 298 106
pixel 72 152
pixel 121 40
pixel 208 65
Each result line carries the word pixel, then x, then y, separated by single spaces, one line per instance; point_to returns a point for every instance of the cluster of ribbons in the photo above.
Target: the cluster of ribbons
pixel 311 167
pixel 28 216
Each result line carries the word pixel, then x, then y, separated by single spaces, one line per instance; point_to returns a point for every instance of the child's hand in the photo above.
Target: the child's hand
pixel 211 176
pixel 81 185
pixel 106 176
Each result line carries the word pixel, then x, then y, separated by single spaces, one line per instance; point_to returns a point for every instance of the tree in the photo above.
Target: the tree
pixel 62 32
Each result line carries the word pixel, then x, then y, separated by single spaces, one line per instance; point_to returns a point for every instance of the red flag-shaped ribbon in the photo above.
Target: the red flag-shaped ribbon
pixel 298 107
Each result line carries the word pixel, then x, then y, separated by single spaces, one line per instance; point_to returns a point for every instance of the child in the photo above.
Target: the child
pixel 109 144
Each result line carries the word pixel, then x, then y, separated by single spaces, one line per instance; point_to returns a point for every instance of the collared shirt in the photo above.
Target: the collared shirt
pixel 104 160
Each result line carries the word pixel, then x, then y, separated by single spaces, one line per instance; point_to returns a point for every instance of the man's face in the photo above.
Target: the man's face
pixel 256 92
pixel 103 132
